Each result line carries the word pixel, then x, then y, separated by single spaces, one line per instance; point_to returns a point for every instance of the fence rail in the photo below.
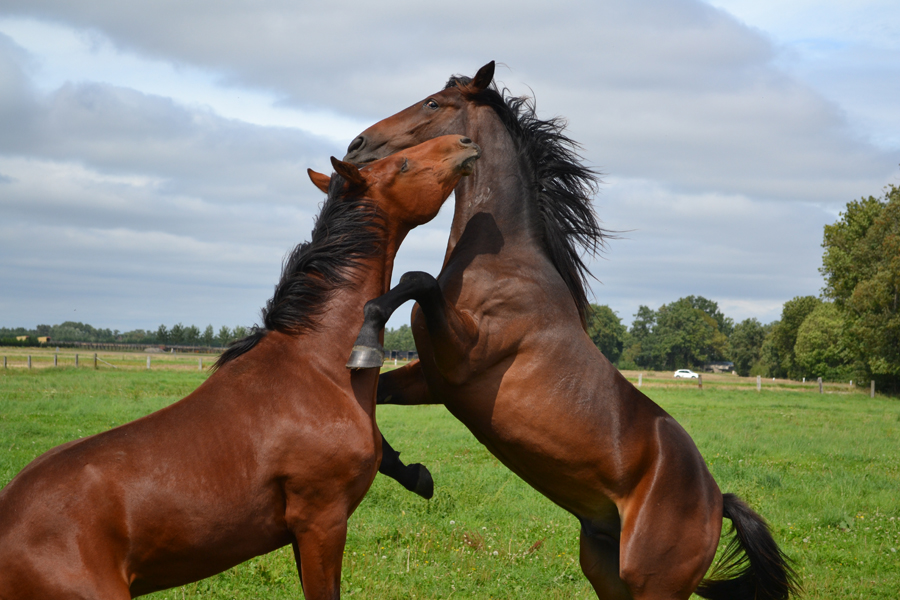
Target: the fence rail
pixel 113 346
pixel 184 358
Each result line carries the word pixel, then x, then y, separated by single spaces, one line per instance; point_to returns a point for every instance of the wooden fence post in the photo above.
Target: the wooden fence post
pixel 819 381
pixel 759 383
pixel 95 360
pixel 29 361
pixel 148 362
pixel 640 379
pixel 76 361
pixel 700 381
pixel 872 390
pixel 56 360
pixel 200 364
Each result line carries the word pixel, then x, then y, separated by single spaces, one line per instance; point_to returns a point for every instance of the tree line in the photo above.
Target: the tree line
pixel 176 335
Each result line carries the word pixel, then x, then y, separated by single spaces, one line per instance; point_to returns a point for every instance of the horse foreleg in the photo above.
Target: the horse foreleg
pixel 319 551
pixel 368 353
pixel 415 477
pixel 405 385
pixel 454 333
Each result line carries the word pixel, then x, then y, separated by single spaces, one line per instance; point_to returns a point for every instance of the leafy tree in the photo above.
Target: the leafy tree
pixel 224 336
pixel 239 332
pixel 820 350
pixel 162 334
pixel 639 341
pixel 861 265
pixel 687 336
pixel 400 339
pixel 606 331
pixel 176 334
pixel 746 344
pixel 725 324
pixel 208 336
pixel 191 335
pixel 780 351
pixel 684 333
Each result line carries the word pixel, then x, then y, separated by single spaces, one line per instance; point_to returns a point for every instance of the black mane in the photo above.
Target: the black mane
pixel 564 186
pixel 346 230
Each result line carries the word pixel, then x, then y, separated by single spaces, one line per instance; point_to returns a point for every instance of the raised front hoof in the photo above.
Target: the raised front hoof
pixel 366 357
pixel 424 484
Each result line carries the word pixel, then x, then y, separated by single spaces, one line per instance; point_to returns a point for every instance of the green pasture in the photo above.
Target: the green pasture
pixel 823 469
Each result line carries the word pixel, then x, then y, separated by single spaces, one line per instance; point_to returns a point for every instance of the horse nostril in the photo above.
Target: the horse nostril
pixel 465 141
pixel 356 144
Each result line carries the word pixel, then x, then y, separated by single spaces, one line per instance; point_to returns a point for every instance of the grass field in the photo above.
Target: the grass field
pixel 823 469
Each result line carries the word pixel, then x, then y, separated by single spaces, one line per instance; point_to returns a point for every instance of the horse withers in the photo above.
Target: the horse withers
pixel 278 446
pixel 502 344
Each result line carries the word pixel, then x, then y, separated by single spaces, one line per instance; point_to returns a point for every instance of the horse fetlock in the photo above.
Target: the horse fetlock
pixel 375 316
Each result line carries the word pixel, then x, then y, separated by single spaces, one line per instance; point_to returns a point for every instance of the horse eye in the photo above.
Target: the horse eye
pixel 431 103
pixel 405 166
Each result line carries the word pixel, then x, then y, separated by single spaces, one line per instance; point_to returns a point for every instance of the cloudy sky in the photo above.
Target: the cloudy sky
pixel 153 155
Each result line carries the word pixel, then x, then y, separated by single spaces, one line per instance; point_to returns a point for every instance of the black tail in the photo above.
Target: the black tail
pixel 753 567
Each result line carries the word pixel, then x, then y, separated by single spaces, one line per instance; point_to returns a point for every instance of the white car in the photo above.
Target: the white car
pixel 686 374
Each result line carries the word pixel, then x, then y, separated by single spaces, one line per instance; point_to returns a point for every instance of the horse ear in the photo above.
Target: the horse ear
pixel 349 172
pixel 319 180
pixel 483 77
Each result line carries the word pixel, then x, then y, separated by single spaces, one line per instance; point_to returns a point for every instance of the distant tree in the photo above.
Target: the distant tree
pixel 176 334
pixel 779 353
pixel 42 330
pixel 638 347
pixel 606 331
pixel 400 339
pixel 138 336
pixel 687 336
pixel 239 332
pixel 162 334
pixel 191 335
pixel 725 324
pixel 224 336
pixel 746 343
pixel 208 336
pixel 684 333
pixel 821 349
pixel 13 332
pixel 861 265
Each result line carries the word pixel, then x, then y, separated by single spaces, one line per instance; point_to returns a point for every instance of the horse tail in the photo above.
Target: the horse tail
pixel 753 567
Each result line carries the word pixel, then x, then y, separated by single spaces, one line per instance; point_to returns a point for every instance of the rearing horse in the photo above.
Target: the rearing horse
pixel 278 446
pixel 502 345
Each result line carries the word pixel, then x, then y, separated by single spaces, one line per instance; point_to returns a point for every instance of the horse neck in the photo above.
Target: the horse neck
pixel 498 191
pixel 342 317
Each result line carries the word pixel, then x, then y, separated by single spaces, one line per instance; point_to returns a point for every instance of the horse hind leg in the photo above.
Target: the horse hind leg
pixel 599 557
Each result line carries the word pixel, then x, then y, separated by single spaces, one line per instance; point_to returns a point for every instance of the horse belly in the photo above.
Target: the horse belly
pixel 545 439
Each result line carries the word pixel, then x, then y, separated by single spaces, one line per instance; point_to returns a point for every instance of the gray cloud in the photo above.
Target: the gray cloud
pixel 677 91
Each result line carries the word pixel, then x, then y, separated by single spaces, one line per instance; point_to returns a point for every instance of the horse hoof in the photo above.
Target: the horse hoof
pixel 365 357
pixel 424 483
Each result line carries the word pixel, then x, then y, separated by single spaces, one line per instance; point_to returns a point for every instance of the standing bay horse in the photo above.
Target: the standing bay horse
pixel 501 341
pixel 278 446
